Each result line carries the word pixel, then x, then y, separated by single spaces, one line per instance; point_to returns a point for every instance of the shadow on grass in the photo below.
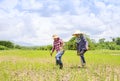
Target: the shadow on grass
pixel 70 67
pixel 78 67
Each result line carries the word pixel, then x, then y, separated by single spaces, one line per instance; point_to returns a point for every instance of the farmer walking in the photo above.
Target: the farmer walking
pixel 82 46
pixel 58 45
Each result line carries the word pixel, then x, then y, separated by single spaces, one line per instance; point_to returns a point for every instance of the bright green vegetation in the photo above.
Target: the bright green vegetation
pixel 114 44
pixel 31 65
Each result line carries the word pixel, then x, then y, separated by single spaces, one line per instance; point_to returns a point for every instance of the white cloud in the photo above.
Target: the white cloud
pixel 54 7
pixel 8 4
pixel 32 28
pixel 100 4
pixel 31 5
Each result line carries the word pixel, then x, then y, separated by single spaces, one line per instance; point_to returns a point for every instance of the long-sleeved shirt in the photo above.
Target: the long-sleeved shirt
pixel 57 45
pixel 81 43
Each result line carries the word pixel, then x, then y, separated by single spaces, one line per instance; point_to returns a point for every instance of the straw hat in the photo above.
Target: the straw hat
pixel 55 36
pixel 77 32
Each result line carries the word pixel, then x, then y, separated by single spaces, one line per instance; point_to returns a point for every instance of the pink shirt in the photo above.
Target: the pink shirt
pixel 57 44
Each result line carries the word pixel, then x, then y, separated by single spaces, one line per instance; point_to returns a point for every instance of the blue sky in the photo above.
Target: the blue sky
pixel 33 22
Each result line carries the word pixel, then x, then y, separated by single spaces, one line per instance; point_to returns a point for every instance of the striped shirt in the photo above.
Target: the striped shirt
pixel 57 45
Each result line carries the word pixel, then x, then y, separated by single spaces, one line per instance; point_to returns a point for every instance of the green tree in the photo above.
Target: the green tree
pixel 71 45
pixel 3 47
pixel 49 47
pixel 18 47
pixel 118 40
pixel 7 44
pixel 102 40
pixel 91 43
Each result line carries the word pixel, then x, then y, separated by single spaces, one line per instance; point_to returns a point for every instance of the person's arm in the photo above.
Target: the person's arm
pixel 86 44
pixel 77 48
pixel 61 45
pixel 52 50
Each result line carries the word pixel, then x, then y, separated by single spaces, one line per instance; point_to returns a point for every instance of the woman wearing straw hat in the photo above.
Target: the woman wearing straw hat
pixel 58 45
pixel 82 45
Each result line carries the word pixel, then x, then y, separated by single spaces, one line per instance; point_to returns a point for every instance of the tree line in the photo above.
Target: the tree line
pixel 114 44
pixel 7 45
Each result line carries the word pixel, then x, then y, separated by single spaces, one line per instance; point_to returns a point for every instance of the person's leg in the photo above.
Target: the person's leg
pixel 83 62
pixel 61 53
pixel 61 64
pixel 58 58
pixel 83 58
pixel 57 62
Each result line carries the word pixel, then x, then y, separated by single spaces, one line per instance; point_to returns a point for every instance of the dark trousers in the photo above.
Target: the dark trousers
pixel 82 52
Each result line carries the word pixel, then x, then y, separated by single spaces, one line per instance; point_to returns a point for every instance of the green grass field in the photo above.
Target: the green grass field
pixel 30 65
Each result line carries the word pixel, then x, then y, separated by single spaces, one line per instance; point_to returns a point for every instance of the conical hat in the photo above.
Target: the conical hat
pixel 77 32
